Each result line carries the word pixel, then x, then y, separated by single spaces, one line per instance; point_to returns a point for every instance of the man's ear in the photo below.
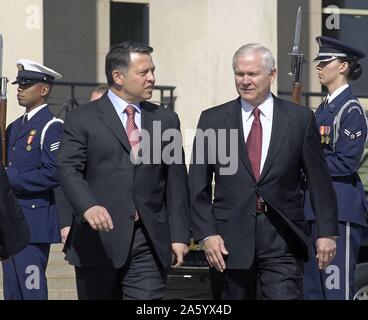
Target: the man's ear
pixel 45 90
pixel 273 74
pixel 118 77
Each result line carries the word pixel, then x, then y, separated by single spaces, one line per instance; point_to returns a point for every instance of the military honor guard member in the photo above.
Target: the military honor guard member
pixel 343 129
pixel 33 141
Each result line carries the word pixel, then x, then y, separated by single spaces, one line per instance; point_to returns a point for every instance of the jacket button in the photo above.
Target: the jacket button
pixel 13 148
pixel 9 164
pixel 33 206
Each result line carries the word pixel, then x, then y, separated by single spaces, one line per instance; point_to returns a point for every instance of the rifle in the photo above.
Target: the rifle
pixel 3 101
pixel 297 60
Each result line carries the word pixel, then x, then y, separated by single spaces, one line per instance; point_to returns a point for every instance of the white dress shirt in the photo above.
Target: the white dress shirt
pixel 266 109
pixel 336 93
pixel 120 105
pixel 30 114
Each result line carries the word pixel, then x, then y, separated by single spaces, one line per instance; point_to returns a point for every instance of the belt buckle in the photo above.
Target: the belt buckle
pixel 263 208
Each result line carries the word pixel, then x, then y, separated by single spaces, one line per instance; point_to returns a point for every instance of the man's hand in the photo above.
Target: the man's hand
pixel 326 251
pixel 64 234
pixel 179 251
pixel 214 249
pixel 98 218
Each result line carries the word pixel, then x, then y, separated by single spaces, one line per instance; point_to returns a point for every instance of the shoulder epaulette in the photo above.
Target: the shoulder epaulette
pixel 337 120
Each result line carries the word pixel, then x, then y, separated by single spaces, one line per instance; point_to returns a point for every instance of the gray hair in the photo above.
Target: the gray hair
pixel 268 60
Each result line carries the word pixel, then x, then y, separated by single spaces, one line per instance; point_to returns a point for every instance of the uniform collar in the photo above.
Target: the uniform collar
pixel 34 111
pixel 336 93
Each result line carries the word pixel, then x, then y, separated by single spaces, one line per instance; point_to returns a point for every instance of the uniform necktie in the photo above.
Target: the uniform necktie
pixel 254 148
pixel 132 130
pixel 25 119
pixel 325 103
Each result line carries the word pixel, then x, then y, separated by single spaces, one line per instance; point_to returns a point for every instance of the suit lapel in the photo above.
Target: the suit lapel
pixel 110 118
pixel 148 113
pixel 324 113
pixel 320 108
pixel 234 121
pixel 23 130
pixel 331 108
pixel 14 131
pixel 280 125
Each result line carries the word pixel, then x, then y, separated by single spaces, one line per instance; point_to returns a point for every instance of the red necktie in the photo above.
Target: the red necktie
pixel 254 147
pixel 132 130
pixel 254 144
pixel 133 134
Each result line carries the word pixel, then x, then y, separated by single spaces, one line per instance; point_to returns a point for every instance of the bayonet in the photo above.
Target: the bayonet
pixel 297 60
pixel 3 80
pixel 298 26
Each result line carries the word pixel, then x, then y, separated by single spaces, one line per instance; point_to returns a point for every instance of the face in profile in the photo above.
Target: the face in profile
pixel 330 71
pixel 139 79
pixel 253 81
pixel 32 94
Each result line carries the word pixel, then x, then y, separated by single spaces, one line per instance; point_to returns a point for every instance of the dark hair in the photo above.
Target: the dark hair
pixel 355 69
pixel 119 57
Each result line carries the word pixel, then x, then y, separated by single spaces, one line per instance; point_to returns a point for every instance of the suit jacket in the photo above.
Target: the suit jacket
pixel 95 169
pixel 32 172
pixel 294 146
pixel 14 232
pixel 343 160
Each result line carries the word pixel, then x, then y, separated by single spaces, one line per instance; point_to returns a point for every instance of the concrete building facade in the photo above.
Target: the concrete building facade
pixel 194 41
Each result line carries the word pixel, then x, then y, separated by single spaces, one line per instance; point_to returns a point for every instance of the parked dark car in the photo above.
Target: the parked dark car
pixel 191 280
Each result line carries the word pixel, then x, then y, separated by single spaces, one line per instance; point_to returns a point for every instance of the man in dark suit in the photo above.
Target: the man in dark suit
pixel 253 229
pixel 65 211
pixel 14 231
pixel 131 203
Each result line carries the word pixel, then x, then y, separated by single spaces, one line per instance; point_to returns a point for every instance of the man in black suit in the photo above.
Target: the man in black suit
pixel 253 229
pixel 130 201
pixel 14 231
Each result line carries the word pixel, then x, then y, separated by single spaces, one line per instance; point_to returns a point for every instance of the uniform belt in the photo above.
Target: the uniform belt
pixel 344 179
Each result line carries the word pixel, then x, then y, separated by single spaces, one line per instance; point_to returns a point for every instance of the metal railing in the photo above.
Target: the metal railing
pixel 306 97
pixel 73 99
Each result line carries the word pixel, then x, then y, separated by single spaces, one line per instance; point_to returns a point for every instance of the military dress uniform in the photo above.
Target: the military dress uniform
pixel 343 130
pixel 31 168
